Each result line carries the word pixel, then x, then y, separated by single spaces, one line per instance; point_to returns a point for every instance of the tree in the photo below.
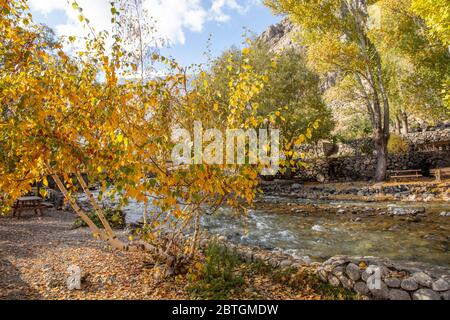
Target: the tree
pixel 138 31
pixel 67 115
pixel 337 34
pixel 436 14
pixel 290 99
pixel 414 64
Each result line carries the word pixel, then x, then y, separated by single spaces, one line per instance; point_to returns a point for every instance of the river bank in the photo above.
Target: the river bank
pixel 35 254
pixel 412 191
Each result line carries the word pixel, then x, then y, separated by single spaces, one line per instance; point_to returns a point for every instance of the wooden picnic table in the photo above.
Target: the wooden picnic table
pixel 402 174
pixel 439 173
pixel 27 203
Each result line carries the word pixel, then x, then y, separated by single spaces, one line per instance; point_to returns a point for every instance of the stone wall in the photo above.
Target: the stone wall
pixel 378 278
pixel 371 277
pixel 362 167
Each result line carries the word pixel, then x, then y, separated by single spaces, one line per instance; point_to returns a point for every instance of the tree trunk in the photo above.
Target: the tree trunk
pixel 111 239
pixel 382 156
pixel 398 126
pixel 405 124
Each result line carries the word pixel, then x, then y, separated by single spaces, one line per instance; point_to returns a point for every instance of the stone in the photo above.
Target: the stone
pixel 423 279
pixel 361 288
pixel 409 284
pixel 445 295
pixel 346 282
pixel 440 285
pixel 382 292
pixel 285 264
pixel 73 282
pixel 392 282
pixel 296 186
pixel 338 271
pixel 365 275
pixel 323 275
pixel 353 272
pixel 333 280
pixel 396 294
pixel 426 294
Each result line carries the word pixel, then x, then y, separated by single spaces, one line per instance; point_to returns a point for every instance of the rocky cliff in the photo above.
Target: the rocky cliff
pixel 280 36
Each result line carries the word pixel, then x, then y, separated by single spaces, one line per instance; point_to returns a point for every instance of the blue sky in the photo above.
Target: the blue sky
pixel 187 24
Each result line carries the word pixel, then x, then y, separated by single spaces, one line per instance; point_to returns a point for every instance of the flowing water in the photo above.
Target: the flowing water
pixel 313 230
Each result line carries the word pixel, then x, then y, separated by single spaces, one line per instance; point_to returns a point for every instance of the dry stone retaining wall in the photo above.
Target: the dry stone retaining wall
pixel 378 278
pixel 371 277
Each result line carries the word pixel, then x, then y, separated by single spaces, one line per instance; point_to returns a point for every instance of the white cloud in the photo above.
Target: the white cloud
pixel 173 17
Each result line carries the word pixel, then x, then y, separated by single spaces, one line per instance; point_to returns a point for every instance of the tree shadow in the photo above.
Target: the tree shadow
pixel 11 284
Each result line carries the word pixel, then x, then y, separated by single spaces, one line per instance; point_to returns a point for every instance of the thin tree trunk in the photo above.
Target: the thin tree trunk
pixel 405 124
pixel 398 126
pixel 382 156
pixel 113 241
pixel 97 208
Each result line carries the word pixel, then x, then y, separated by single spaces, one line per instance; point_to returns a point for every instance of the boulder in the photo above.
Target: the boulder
pixel 361 288
pixel 440 285
pixel 353 271
pixel 426 294
pixel 423 279
pixel 396 294
pixel 409 284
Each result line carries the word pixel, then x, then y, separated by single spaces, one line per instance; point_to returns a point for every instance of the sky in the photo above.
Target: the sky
pixel 186 24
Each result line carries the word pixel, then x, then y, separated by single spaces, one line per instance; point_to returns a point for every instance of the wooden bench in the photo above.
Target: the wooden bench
pixel 397 175
pixel 27 203
pixel 440 173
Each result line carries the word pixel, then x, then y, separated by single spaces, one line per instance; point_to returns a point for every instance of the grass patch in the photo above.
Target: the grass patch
pixel 218 278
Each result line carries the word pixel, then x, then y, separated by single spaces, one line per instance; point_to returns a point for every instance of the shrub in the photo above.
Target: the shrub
pixel 397 144
pixel 218 278
pixel 115 217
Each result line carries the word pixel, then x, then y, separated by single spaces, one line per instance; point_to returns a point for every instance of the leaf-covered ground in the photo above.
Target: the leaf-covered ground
pixel 36 252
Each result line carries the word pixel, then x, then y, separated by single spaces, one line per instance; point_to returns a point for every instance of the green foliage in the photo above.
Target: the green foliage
pixel 415 64
pixel 218 277
pixel 115 217
pixel 290 100
pixel 436 14
pixel 397 144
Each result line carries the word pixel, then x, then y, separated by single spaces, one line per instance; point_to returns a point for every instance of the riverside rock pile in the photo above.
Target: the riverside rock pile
pixel 378 278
